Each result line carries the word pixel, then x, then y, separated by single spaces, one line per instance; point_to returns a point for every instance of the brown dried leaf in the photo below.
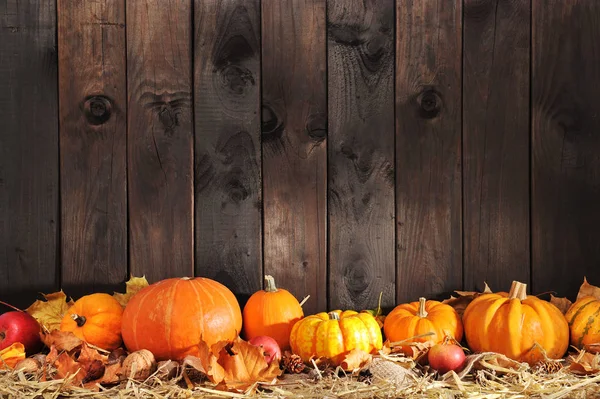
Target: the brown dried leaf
pixel 133 286
pixel 592 348
pixel 49 313
pixel 94 369
pixel 244 364
pixel 498 362
pixel 464 298
pixel 112 374
pixel 584 363
pixel 207 361
pixel 117 356
pixel 89 354
pixel 61 340
pixel 563 304
pixel 66 367
pixel 12 355
pixel 355 359
pixel 587 289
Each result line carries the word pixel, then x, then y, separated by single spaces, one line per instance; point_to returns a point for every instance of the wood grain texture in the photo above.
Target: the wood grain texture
pixel 294 148
pixel 361 153
pixel 496 143
pixel 428 148
pixel 92 93
pixel 29 182
pixel 160 138
pixel 566 142
pixel 228 196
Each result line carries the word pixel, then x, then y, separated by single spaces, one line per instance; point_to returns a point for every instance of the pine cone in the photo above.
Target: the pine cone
pixel 293 364
pixel 548 366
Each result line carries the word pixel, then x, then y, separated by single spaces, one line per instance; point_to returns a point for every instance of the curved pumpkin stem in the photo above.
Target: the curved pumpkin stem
pixel 80 320
pixel 270 284
pixel 518 290
pixel 333 316
pixel 422 312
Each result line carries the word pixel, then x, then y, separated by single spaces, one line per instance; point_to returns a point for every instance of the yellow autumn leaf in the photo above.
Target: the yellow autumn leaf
pixel 49 313
pixel 132 287
pixel 12 355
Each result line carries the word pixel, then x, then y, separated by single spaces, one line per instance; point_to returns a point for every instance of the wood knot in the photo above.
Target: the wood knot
pixel 97 109
pixel 272 125
pixel 429 103
pixel 316 127
pixel 236 78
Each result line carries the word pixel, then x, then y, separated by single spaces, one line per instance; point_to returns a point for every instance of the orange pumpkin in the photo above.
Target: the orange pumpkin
pixel 272 312
pixel 583 318
pixel 515 325
pixel 95 319
pixel 423 321
pixel 332 335
pixel 170 318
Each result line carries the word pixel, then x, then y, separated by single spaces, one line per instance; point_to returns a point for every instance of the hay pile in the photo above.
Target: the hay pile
pixel 382 378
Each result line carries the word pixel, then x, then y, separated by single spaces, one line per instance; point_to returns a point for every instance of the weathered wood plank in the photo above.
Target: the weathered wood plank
pixel 428 148
pixel 29 181
pixel 294 146
pixel 227 161
pixel 160 138
pixel 496 143
pixel 92 94
pixel 361 153
pixel 565 140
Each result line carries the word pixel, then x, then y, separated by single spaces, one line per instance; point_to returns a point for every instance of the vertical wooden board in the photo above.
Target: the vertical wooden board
pixel 496 143
pixel 29 182
pixel 566 144
pixel 428 148
pixel 360 78
pixel 160 138
pixel 227 160
pixel 92 93
pixel 294 124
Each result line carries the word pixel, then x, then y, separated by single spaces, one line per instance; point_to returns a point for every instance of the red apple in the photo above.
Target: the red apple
pixel 20 327
pixel 270 347
pixel 446 357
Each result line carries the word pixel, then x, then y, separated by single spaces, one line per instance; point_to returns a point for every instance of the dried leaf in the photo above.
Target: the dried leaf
pixel 89 354
pixel 355 359
pixel 12 355
pixel 66 367
pixel 134 285
pixel 112 374
pixel 592 348
pixel 584 363
pixel 61 340
pixel 29 365
pixel 493 361
pixel 464 298
pixel 587 289
pixel 207 361
pixel 94 370
pixel 563 304
pixel 49 313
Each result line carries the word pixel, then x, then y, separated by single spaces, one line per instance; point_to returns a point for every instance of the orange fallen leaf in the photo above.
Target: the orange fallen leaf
pixel 112 374
pixel 49 313
pixel 563 304
pixel 67 367
pixel 460 302
pixel 12 355
pixel 61 340
pixel 89 354
pixel 587 289
pixel 355 359
pixel 584 363
pixel 132 287
pixel 244 364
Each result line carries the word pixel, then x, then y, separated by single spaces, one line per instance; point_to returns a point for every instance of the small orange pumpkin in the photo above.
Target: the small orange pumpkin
pixel 583 318
pixel 332 335
pixel 423 321
pixel 515 324
pixel 272 312
pixel 95 319
pixel 170 317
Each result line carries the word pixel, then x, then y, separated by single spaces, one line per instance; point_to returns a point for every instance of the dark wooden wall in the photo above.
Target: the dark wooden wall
pixel 347 147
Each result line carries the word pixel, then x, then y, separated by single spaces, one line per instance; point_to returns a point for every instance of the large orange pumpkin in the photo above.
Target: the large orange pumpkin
pixel 95 319
pixel 515 325
pixel 423 321
pixel 332 335
pixel 170 317
pixel 272 312
pixel 583 318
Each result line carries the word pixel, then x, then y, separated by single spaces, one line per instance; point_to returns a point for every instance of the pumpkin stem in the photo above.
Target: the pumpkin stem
pixel 422 312
pixel 80 320
pixel 270 284
pixel 518 290
pixel 333 316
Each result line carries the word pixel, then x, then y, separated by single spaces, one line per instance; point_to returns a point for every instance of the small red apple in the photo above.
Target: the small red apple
pixel 446 357
pixel 16 326
pixel 270 347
